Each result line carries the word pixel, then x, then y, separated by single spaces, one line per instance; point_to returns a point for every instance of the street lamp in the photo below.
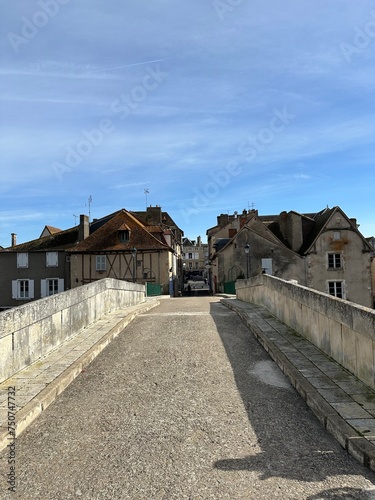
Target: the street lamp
pixel 134 256
pixel 247 252
pixel 208 266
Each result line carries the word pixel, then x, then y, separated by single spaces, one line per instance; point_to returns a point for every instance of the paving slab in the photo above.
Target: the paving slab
pixel 342 403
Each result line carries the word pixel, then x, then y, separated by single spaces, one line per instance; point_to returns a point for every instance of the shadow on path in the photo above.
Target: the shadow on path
pixel 294 444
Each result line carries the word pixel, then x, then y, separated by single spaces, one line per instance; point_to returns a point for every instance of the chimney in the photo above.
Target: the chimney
pixel 199 241
pixel 154 215
pixel 222 219
pixel 14 239
pixel 84 227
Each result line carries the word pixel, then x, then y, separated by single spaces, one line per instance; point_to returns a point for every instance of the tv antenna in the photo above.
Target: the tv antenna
pixel 75 219
pixel 146 191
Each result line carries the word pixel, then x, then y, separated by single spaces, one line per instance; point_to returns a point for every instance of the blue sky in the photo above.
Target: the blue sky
pixel 211 105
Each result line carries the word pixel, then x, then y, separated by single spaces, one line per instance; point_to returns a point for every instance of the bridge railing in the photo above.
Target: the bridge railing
pixel 341 329
pixel 30 331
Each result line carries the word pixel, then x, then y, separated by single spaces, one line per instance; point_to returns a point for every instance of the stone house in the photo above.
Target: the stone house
pixel 324 251
pixel 195 256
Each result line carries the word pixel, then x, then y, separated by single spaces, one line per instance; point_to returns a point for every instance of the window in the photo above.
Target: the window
pixel 336 288
pixel 52 259
pixel 124 235
pixel 190 255
pixel 334 261
pixel 22 289
pixel 101 263
pixel 196 265
pixel 190 265
pixel 22 260
pixel 51 286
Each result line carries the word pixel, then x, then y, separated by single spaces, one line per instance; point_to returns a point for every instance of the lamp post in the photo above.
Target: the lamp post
pixel 134 256
pixel 247 252
pixel 209 279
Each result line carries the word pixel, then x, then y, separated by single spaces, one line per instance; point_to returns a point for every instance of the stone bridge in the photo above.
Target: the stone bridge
pixel 192 397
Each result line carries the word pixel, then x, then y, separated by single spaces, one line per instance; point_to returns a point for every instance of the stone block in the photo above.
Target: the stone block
pixel 340 311
pixel 21 352
pixel 364 321
pixel 6 350
pixel 349 353
pixel 330 342
pixel 35 341
pixel 365 359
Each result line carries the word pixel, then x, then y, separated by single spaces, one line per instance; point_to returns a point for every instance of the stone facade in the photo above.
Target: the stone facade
pixel 324 251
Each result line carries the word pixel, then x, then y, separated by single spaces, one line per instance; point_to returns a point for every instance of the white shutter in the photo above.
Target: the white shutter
pixel 22 260
pixel 31 289
pixel 61 285
pixel 14 289
pixel 43 288
pixel 52 259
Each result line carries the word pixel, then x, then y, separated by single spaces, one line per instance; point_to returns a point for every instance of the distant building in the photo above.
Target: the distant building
pixel 37 268
pixel 322 250
pixel 195 256
pixel 121 245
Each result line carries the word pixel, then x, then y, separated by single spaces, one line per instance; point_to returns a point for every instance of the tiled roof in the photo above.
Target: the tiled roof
pixel 320 220
pixel 106 237
pixel 53 230
pixel 59 241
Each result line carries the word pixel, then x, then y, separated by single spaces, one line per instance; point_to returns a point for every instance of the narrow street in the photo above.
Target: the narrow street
pixel 183 404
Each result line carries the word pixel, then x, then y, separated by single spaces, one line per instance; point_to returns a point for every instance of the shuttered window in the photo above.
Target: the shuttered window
pixel 52 259
pixel 23 260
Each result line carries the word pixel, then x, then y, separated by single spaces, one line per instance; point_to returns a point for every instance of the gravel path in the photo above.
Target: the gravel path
pixel 184 404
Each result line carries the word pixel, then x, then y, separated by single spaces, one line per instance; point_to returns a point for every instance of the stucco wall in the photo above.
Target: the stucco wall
pixel 32 330
pixel 356 262
pixel 36 270
pixel 343 330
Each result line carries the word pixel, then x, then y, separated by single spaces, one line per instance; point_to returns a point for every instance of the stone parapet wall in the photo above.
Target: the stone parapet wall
pixel 30 331
pixel 343 330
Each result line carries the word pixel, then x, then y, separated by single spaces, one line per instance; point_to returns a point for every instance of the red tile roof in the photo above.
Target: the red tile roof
pixel 106 238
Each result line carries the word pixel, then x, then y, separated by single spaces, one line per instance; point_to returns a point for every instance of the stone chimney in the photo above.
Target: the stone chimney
pixel 291 229
pixel 199 241
pixel 14 239
pixel 84 227
pixel 154 215
pixel 222 219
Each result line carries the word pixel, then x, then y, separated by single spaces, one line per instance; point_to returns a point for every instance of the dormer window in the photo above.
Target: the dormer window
pixel 124 235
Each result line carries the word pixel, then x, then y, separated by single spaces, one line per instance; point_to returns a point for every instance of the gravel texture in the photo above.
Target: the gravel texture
pixel 183 404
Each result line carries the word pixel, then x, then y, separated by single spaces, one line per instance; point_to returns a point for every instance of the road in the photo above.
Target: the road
pixel 184 404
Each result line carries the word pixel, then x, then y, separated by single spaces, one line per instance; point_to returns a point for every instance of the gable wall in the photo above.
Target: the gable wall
pixel 356 262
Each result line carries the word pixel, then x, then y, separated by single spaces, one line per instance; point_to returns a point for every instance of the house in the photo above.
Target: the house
pixel 121 246
pixel 37 268
pixel 322 250
pixel 195 256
